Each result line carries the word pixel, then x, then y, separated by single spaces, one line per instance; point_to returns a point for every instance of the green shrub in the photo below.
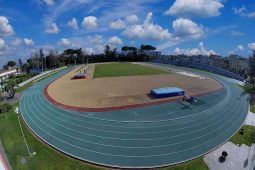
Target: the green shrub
pixel 5 108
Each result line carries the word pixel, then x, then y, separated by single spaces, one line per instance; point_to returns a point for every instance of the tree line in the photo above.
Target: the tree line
pixel 39 61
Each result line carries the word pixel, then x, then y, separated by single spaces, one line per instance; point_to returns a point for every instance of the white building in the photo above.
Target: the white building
pixel 7 73
pixel 238 63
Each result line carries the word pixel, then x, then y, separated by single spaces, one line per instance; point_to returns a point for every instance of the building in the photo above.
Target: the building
pixel 201 59
pixel 7 73
pixel 216 60
pixel 238 64
pixel 204 59
pixel 225 63
pixel 153 54
pixel 149 53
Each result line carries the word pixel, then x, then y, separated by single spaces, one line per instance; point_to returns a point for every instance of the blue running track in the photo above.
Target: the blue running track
pixel 144 137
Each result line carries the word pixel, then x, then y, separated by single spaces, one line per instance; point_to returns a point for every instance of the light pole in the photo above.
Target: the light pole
pixel 75 56
pixel 5 96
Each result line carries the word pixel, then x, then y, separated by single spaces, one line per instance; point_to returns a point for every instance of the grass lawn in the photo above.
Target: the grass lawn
pixel 252 107
pixel 46 158
pixel 249 89
pixel 196 164
pixel 124 69
pixel 246 138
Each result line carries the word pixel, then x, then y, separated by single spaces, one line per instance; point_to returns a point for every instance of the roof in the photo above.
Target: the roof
pixel 7 72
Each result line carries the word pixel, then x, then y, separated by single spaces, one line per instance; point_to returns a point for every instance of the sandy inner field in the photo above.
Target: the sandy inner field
pixel 121 91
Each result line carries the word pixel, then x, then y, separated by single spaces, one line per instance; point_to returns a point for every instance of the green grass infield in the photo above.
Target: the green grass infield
pixel 125 69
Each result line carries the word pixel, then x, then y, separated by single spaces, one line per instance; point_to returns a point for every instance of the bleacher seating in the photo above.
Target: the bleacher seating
pixel 204 67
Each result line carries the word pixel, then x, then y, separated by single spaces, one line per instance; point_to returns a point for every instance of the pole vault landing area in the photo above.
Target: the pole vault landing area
pixel 144 137
pixel 116 93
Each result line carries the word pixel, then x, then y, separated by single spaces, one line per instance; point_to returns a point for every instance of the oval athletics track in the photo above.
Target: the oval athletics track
pixel 147 137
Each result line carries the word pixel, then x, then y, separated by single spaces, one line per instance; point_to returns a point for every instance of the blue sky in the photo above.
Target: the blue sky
pixel 174 26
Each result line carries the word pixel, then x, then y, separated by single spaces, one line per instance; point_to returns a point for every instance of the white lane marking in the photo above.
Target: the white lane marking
pixel 119 139
pixel 218 106
pixel 122 126
pixel 130 156
pixel 79 131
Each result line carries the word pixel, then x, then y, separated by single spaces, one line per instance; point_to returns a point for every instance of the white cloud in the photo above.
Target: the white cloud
pixel 52 29
pixel 64 42
pixel 5 27
pixel 148 19
pixel 132 19
pixel 87 50
pixel 16 42
pixel 185 28
pixel 236 33
pixel 49 2
pixel 96 39
pixel 240 48
pixel 118 24
pixel 201 50
pixel 243 12
pixel 28 42
pixel 89 22
pixel 115 41
pixel 170 43
pixel 47 48
pixel 240 11
pixel 195 8
pixel 60 7
pixel 73 24
pixel 251 46
pixel 148 31
pixel 2 43
pixel 99 49
pixel 251 15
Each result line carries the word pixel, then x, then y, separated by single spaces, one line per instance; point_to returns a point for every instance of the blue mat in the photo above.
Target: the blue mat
pixel 167 92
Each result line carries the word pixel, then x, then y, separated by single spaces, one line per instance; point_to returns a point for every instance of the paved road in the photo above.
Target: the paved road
pixel 143 137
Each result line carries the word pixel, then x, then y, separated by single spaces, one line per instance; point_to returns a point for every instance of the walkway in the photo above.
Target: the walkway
pixel 4 164
pixel 237 155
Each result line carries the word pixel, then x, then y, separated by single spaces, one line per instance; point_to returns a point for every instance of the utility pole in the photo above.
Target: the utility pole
pixel 42 64
pixel 38 65
pixel 41 55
